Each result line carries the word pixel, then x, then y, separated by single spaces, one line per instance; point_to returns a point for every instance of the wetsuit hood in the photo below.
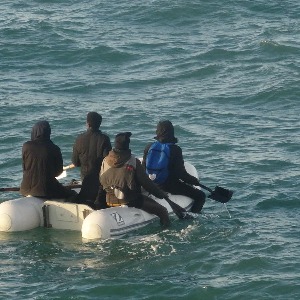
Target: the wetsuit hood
pixel 41 130
pixel 165 132
pixel 117 158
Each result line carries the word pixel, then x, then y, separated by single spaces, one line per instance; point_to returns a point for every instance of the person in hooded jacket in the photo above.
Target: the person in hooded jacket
pixel 89 150
pixel 122 177
pixel 179 181
pixel 42 162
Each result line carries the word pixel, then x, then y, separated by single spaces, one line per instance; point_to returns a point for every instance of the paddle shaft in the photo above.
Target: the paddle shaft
pixel 16 189
pixel 10 189
pixel 178 210
pixel 71 166
pixel 205 187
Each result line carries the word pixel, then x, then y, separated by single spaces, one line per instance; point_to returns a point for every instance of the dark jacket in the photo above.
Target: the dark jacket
pixel 42 162
pixel 138 178
pixel 89 150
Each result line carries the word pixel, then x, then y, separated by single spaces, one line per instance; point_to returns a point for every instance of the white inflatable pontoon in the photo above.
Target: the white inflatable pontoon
pixel 30 212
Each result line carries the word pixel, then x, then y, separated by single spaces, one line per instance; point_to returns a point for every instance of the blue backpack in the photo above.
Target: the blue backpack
pixel 157 162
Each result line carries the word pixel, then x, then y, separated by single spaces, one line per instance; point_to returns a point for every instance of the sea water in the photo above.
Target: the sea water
pixel 226 73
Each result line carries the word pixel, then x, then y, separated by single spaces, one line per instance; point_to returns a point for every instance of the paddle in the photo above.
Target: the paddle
pixel 62 175
pixel 71 166
pixel 16 189
pixel 219 194
pixel 180 212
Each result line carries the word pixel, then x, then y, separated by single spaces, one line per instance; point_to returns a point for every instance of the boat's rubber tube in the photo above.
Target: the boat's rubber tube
pixel 21 214
pixel 116 221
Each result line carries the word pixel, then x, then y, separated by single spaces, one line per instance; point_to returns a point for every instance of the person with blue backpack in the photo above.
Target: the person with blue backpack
pixel 164 164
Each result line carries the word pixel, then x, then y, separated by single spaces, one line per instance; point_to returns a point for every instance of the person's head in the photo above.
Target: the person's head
pixel 41 130
pixel 165 132
pixel 122 141
pixel 93 120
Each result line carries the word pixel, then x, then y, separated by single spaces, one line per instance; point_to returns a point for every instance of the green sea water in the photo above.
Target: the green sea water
pixel 226 73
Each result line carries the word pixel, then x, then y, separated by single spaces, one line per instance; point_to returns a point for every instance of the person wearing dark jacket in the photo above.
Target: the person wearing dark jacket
pixel 89 150
pixel 122 177
pixel 91 146
pixel 179 181
pixel 42 162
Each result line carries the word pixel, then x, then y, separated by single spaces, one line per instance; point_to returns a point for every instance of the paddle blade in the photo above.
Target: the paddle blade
pixel 62 175
pixel 221 194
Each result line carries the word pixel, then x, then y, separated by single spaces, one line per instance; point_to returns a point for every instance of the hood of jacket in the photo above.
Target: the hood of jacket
pixel 41 131
pixel 117 158
pixel 165 132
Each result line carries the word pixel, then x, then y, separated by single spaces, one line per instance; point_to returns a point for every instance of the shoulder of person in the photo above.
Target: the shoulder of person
pixel 148 146
pixel 81 135
pixel 106 136
pixel 27 143
pixel 101 134
pixel 55 146
pixel 176 148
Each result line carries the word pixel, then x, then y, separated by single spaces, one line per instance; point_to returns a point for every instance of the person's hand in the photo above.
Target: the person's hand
pixel 197 182
pixel 167 198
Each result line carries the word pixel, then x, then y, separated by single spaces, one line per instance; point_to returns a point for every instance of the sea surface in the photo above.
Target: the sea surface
pixel 227 74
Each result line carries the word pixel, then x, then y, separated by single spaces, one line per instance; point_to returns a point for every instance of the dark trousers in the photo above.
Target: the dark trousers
pixel 181 188
pixel 152 207
pixel 89 188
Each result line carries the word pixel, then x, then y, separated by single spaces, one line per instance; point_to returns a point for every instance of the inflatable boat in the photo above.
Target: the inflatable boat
pixel 27 213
